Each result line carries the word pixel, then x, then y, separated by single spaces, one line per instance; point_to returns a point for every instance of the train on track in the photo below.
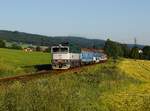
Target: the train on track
pixel 69 56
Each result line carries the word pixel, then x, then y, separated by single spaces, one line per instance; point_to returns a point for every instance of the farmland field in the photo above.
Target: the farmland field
pixel 114 86
pixel 12 62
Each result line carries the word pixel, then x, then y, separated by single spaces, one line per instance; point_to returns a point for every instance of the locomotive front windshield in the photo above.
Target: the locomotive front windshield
pixel 64 49
pixel 58 50
pixel 55 49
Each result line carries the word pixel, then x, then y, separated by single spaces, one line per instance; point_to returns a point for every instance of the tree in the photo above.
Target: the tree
pixel 15 46
pixel 126 50
pixel 47 50
pixel 134 54
pixel 2 44
pixel 146 52
pixel 38 48
pixel 113 49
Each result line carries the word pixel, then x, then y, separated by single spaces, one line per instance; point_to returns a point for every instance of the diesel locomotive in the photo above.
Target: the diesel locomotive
pixel 69 56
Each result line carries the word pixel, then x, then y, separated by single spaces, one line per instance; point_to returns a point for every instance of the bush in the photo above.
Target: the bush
pixel 146 52
pixel 38 48
pixel 2 44
pixel 15 46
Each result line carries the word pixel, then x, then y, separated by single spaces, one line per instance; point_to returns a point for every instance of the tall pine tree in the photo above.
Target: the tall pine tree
pixel 134 54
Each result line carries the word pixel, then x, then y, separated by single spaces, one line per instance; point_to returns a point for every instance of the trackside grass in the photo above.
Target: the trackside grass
pixel 12 62
pixel 103 87
pixel 138 69
pixel 137 96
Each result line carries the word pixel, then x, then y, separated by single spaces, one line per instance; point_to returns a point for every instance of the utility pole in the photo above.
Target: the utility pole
pixel 135 42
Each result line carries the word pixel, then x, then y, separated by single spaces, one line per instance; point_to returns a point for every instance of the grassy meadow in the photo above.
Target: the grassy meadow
pixel 13 62
pixel 114 86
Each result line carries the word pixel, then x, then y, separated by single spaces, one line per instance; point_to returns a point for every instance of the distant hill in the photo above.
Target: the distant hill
pixel 36 39
pixel 138 45
pixel 41 40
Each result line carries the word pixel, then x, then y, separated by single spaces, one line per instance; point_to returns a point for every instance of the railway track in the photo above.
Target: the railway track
pixel 31 76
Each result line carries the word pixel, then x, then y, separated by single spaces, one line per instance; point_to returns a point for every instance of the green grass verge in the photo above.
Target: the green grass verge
pixel 12 62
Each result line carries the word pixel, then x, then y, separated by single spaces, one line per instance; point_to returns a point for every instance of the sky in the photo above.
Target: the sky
pixel 119 20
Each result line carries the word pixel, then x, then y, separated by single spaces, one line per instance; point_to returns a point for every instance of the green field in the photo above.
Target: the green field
pixel 12 62
pixel 114 86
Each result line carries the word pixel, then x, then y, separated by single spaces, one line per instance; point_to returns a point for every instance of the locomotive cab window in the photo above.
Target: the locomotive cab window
pixel 64 49
pixel 55 49
pixel 59 50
